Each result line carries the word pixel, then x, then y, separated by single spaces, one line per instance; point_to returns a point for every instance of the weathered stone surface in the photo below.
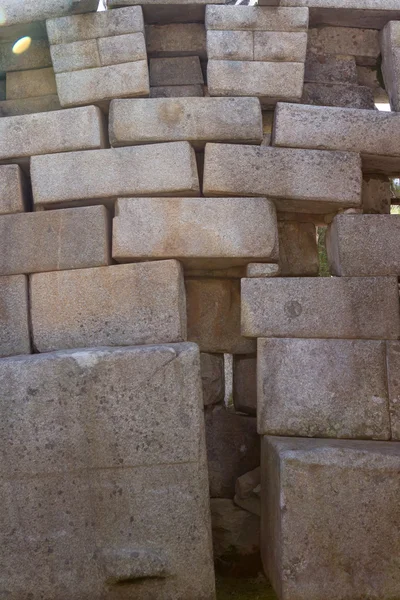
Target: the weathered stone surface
pixel 372 133
pixel 363 44
pixel 251 504
pixel 244 391
pixel 328 68
pixel 13 190
pixel 14 324
pixel 364 245
pixel 122 48
pixel 28 106
pixel 27 84
pixel 344 96
pixel 390 45
pixel 73 238
pixel 353 487
pixel 269 81
pixel 74 461
pixel 162 12
pixel 233 231
pixel 256 18
pixel 297 180
pixel 233 448
pixel 177 91
pixel 197 120
pixel 376 194
pixel 75 309
pixel 247 484
pixel 322 388
pixel 262 270
pixel 176 39
pixel 213 378
pixel 393 370
pixel 20 11
pixel 280 46
pixel 318 307
pixel 44 133
pixel 2 89
pixel 182 70
pixel 298 250
pixel 371 77
pixel 75 56
pixel 38 57
pixel 159 169
pixel 230 45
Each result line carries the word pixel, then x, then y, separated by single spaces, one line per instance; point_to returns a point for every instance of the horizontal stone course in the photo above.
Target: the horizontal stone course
pixel 329 68
pixel 340 95
pixel 75 56
pixel 20 11
pixel 230 45
pixel 180 70
pixel 38 56
pixel 280 46
pixel 27 84
pixel 176 39
pixel 14 320
pixel 13 190
pixel 363 44
pixel 28 106
pixel 256 18
pixel 122 48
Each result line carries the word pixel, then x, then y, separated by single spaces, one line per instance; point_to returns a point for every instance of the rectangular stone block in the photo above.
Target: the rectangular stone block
pixel 212 378
pixel 256 18
pixel 38 56
pixel 13 190
pixel 29 106
pixel 232 231
pixel 372 133
pixel 82 177
pixel 213 316
pixel 177 91
pixel 122 48
pixel 244 392
pixel 75 56
pixel 74 238
pixel 298 250
pixel 20 11
pixel 27 84
pixel 376 194
pixel 371 77
pixel 322 388
pixel 230 45
pixel 176 39
pixel 341 95
pixel 45 133
pixel 321 307
pixel 328 68
pixel 14 320
pixel 363 44
pixel 262 270
pixel 114 501
pixel 393 370
pixel 312 181
pixel 390 46
pixel 182 70
pixel 197 120
pixel 120 305
pixel 348 484
pixel 280 46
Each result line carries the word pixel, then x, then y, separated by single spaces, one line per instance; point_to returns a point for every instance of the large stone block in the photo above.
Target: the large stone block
pixel 28 106
pixel 87 177
pixel 122 48
pixel 108 306
pixel 322 388
pixel 344 96
pixel 212 378
pixel 73 238
pixel 176 39
pixel 181 70
pixel 213 313
pixel 38 56
pixel 310 181
pixel 374 134
pixel 244 392
pixel 371 77
pixel 130 514
pixel 328 68
pixel 318 307
pixel 13 190
pixel 376 194
pixel 20 11
pixel 27 84
pixel 363 44
pixel 256 18
pixel 75 56
pixel 298 250
pixel 203 233
pixel 177 91
pixel 390 45
pixel 14 321
pixel 352 549
pixel 393 371
pixel 280 46
pixel 45 133
pixel 230 45
pixel 197 120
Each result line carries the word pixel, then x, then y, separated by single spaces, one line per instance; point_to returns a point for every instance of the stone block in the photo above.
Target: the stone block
pixel 14 320
pixel 364 245
pixel 230 45
pixel 321 307
pixel 83 177
pixel 245 384
pixel 197 120
pixel 100 24
pixel 363 44
pixel 212 378
pixel 262 270
pixel 312 181
pixel 162 12
pixel 371 77
pixel 213 314
pixel 176 39
pixel 322 388
pixel 280 46
pixel 20 11
pixel 393 370
pixel 269 81
pixel 256 18
pixel 298 250
pixel 27 84
pixel 372 133
pixel 328 68
pixel 122 48
pixel 28 106
pixel 75 56
pixel 13 190
pixel 345 96
pixel 38 57
pixel 45 133
pixel 376 194
pixel 114 501
pixel 103 83
pixel 390 46
pixel 248 483
pixel 233 448
pixel 74 238
pixel 75 309
pixel 177 91
pixel 182 70
pixel 353 487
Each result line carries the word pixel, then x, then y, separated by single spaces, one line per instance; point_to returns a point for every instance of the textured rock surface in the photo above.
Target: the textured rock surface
pixel 298 251
pixel 376 194
pixel 280 46
pixel 28 106
pixel 230 45
pixel 20 11
pixel 108 306
pixel 13 190
pixel 76 55
pixel 176 91
pixel 255 18
pixel 213 378
pixel 262 270
pixel 390 46
pixel 14 328
pixel 328 68
pixel 176 39
pixel 244 391
pixel 393 372
pixel 363 44
pixel 182 70
pixel 38 56
pixel 344 96
pixel 27 84
pixel 122 48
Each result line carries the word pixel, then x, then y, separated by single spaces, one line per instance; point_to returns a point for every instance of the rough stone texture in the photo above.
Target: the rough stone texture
pixel 364 245
pixel 213 316
pixel 246 484
pixel 122 48
pixel 372 133
pixel 298 250
pixel 28 106
pixel 230 45
pixel 14 326
pixel 73 460
pixel 44 133
pixel 159 169
pixel 213 378
pixel 322 388
pixel 233 448
pixel 363 44
pixel 390 46
pixel 345 96
pixel 256 18
pixel 13 190
pixel 202 233
pixel 104 83
pixel 376 195
pixel 176 39
pixel 163 12
pixel 197 120
pixel 328 68
pixel 2 89
pixel 352 549
pixel 177 91
pixel 262 270
pixel 393 371
pixel 280 46
pixel 269 81
pixel 75 56
pixel 244 392
pixel 75 309
pixel 38 56
pixel 182 70
pixel 21 11
pixel 27 84
pixel 310 181
pixel 371 77
pixel 74 238
pixel 346 307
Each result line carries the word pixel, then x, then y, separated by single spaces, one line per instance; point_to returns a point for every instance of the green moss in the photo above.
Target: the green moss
pixel 230 588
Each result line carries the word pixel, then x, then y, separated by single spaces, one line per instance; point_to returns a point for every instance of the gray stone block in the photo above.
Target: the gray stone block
pixel 321 307
pixel 262 270
pixel 27 84
pixel 176 39
pixel 212 378
pixel 344 96
pixel 244 391
pixel 13 190
pixel 20 11
pixel 75 309
pixel 390 46
pixel 230 45
pixel 376 194
pixel 182 70
pixel 256 18
pixel 29 106
pixel 370 77
pixel 38 57
pixel 177 91
pixel 393 370
pixel 280 46
pixel 363 44
pixel 75 56
pixel 122 48
pixel 14 320
pixel 298 250
pixel 328 68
